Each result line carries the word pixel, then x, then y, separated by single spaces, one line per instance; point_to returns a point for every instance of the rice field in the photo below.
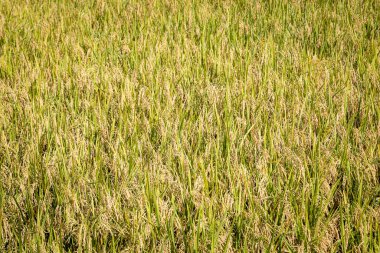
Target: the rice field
pixel 189 126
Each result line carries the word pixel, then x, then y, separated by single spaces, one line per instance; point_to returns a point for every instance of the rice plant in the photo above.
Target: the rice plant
pixel 189 126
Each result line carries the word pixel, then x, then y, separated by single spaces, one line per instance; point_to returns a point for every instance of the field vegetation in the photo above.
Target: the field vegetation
pixel 189 126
